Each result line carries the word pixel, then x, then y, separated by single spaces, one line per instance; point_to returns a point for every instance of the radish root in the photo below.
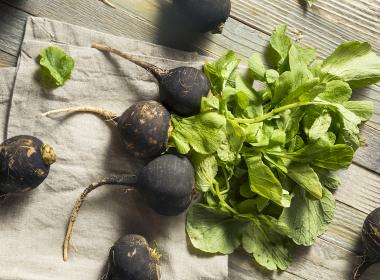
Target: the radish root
pixel 123 180
pixel 107 115
pixel 156 71
pixel 108 3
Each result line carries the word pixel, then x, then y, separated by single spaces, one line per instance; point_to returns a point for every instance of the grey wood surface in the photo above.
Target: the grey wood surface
pixel 325 25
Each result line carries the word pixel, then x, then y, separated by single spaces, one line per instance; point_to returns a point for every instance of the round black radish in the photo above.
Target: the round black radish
pixel 131 258
pixel 205 15
pixel 24 163
pixel 166 182
pixel 371 243
pixel 144 129
pixel 181 89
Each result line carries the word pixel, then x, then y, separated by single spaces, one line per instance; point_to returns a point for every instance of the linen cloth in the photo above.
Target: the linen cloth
pixel 7 76
pixel 33 224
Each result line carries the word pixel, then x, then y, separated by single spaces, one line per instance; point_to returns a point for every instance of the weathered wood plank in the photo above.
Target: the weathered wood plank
pixel 360 189
pixel 96 15
pixel 362 17
pixel 7 60
pixel 323 261
pixel 12 22
pixel 369 156
pixel 323 28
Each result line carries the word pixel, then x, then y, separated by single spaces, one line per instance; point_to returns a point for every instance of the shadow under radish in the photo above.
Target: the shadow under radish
pixel 10 204
pixel 173 31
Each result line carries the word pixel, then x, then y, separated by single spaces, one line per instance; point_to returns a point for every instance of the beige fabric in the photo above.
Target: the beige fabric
pixel 33 224
pixel 7 76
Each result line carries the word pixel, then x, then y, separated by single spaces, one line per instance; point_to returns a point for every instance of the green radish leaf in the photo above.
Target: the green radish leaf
pixel 363 109
pixel 336 91
pixel 204 132
pixel 306 55
pixel 263 182
pixel 308 218
pixel 206 168
pixel 305 177
pixel 280 43
pixel 212 230
pixel 220 71
pixel 265 240
pixel 257 67
pixel 271 76
pixel 290 122
pixel 319 127
pixel 332 157
pixel 327 178
pixel 209 103
pixel 354 63
pixel 57 65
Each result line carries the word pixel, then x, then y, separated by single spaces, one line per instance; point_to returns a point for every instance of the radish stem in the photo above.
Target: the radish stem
pixel 124 180
pixel 155 70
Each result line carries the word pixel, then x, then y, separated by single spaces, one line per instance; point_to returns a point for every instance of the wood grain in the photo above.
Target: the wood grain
pixel 7 60
pixel 12 22
pixel 321 26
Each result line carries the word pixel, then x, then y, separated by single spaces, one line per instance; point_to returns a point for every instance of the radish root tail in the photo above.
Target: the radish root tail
pixel 107 115
pixel 156 71
pixel 108 3
pixel 123 180
pixel 362 267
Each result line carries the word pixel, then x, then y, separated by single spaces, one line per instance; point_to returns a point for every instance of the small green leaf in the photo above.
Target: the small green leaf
pixel 57 64
pixel 354 63
pixel 308 218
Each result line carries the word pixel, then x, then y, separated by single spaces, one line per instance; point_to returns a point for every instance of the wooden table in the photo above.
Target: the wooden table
pixel 325 25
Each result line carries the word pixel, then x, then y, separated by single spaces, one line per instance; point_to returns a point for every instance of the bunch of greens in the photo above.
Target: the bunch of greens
pixel 266 144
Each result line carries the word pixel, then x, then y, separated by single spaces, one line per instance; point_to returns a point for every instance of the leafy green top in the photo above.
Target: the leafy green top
pixel 57 65
pixel 264 159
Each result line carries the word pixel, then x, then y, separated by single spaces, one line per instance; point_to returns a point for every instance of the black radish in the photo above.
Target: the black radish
pixel 181 89
pixel 371 243
pixel 24 163
pixel 131 258
pixel 205 15
pixel 144 127
pixel 166 182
